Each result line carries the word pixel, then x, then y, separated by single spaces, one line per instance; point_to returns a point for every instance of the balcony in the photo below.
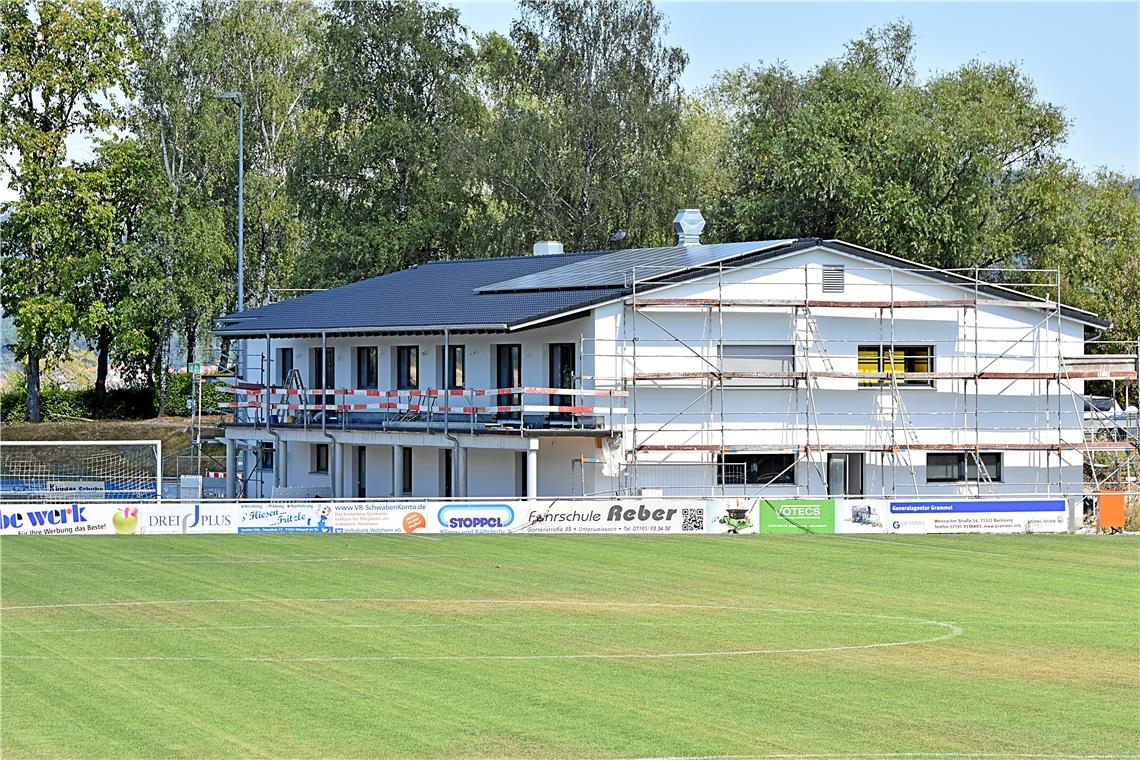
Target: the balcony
pixel 492 410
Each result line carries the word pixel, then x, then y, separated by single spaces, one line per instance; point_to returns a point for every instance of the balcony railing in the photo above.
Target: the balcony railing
pixel 529 406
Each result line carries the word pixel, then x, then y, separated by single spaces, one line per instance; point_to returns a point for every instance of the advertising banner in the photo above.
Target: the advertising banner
pixel 977 516
pixel 793 516
pixel 285 517
pixel 951 515
pixel 618 516
pixel 734 516
pixel 188 517
pixel 538 516
pixel 107 517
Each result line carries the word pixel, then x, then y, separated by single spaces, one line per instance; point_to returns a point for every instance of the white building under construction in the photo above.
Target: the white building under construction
pixel 776 368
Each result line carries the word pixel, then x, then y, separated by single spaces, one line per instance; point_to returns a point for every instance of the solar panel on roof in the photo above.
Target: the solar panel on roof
pixel 617 269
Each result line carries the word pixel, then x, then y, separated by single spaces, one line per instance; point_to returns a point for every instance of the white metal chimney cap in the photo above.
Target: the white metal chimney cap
pixel 689 223
pixel 547 248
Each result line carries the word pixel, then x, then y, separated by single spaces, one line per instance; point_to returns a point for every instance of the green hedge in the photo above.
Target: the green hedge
pixel 180 386
pixel 121 404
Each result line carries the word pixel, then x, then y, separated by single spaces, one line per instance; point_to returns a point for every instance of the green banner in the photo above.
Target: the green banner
pixel 784 516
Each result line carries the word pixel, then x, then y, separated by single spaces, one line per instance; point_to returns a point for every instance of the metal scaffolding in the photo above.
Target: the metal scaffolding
pixel 813 362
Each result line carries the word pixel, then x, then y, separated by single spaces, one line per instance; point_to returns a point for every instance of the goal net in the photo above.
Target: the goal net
pixel 80 470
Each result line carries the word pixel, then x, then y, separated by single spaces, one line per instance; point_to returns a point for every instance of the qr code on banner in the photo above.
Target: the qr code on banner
pixel 692 519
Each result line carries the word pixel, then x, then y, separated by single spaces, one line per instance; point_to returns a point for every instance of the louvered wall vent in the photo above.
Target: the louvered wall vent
pixel 833 279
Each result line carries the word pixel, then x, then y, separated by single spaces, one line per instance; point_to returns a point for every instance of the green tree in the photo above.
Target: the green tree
pixel 268 52
pixel 586 127
pixel 186 228
pixel 192 53
pixel 956 171
pixel 63 64
pixel 1099 253
pixel 378 177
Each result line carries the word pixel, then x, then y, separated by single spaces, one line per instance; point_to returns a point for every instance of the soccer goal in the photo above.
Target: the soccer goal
pixel 80 470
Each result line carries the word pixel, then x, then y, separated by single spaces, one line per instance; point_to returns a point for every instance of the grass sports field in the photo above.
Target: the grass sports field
pixel 569 646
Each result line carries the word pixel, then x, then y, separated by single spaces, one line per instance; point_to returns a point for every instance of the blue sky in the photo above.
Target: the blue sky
pixel 1084 57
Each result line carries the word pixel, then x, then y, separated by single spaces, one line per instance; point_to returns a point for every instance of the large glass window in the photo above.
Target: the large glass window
pixel 508 374
pixel 284 365
pixel 455 367
pixel 367 367
pixel 756 469
pixel 320 457
pixel 265 455
pixel 959 466
pixel 407 367
pixel 406 470
pixel 322 373
pixel 759 360
pixel 893 361
pixel 562 362
pixel 322 370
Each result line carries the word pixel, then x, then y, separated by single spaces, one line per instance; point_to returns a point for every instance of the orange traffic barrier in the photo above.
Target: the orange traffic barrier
pixel 1110 512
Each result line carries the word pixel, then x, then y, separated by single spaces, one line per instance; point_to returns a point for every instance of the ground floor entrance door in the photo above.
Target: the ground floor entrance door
pixel 447 466
pixel 361 472
pixel 845 474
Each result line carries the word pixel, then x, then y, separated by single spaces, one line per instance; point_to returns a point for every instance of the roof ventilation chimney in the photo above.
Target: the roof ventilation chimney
pixel 688 224
pixel 547 248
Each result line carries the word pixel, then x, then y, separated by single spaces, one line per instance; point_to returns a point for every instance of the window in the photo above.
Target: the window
pixel 900 359
pixel 284 365
pixel 562 359
pixel 407 367
pixel 367 367
pixel 990 468
pixel 957 467
pixel 833 280
pixel 446 470
pixel 361 472
pixel 322 371
pixel 320 457
pixel 844 474
pixel 759 359
pixel 265 455
pixel 756 469
pixel 508 374
pixel 455 367
pixel 406 470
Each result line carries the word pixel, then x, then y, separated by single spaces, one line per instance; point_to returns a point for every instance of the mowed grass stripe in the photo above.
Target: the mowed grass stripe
pixel 1033 687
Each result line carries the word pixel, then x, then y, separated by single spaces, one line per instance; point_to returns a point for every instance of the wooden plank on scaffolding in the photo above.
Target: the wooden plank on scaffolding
pixel 1091 445
pixel 713 303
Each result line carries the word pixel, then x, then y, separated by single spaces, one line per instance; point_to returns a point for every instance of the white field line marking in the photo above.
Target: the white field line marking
pixel 892 542
pixel 445 601
pixel 224 561
pixel 1050 623
pixel 822 756
pixel 452 624
pixel 399 600
pixel 951 632
pixel 481 623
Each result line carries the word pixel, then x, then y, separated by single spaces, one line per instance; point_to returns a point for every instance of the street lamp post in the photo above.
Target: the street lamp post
pixel 236 97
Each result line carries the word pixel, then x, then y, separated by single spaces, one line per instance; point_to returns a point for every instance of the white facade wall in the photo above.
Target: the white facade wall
pixel 826 415
pixel 837 412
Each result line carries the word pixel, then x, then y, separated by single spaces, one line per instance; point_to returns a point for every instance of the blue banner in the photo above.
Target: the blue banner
pixel 964 506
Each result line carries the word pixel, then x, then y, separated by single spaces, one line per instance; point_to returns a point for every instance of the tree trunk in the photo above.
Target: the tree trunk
pixel 191 338
pixel 103 344
pixel 32 402
pixel 164 349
